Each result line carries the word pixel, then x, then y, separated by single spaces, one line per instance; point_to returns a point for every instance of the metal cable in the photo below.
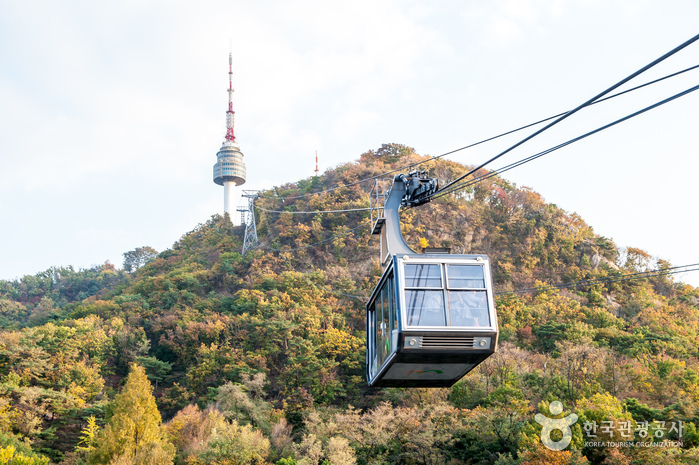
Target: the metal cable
pixel 575 110
pixel 455 187
pixel 444 190
pixel 510 166
pixel 314 211
pixel 610 279
pixel 378 176
pixel 346 233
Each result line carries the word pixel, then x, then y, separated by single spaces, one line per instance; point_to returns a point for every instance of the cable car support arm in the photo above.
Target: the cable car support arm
pixel 406 191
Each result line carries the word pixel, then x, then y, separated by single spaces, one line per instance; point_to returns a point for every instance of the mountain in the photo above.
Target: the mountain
pixel 259 358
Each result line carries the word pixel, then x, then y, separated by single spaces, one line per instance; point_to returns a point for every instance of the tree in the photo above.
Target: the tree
pixel 540 455
pixel 394 151
pixel 138 257
pixel 133 433
pixel 191 429
pixel 156 369
pixel 10 456
pixel 232 444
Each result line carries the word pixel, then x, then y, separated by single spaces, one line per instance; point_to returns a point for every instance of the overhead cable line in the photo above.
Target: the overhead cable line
pixel 465 184
pixel 608 279
pixel 586 282
pixel 344 233
pixel 454 187
pixel 360 297
pixel 573 111
pixel 314 211
pixel 489 139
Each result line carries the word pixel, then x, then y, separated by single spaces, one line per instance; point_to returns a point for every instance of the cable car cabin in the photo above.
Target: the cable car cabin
pixel 430 320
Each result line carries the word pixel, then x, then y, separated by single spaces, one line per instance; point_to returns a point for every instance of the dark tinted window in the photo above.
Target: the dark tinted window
pixel 393 306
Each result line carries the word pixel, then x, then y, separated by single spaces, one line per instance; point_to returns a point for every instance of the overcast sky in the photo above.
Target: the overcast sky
pixel 111 113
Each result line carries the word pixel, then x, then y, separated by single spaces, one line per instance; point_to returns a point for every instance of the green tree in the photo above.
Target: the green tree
pixel 155 369
pixel 136 258
pixel 232 444
pixel 133 433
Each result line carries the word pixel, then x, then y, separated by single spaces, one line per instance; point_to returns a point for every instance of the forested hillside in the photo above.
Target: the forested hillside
pixel 200 355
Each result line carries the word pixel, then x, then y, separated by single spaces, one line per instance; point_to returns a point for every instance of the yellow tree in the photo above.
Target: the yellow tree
pixel 133 434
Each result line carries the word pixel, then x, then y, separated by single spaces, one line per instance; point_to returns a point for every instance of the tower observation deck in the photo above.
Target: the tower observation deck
pixel 229 170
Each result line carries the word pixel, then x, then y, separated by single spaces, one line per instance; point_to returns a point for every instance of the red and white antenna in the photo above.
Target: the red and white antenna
pixel 230 135
pixel 316 163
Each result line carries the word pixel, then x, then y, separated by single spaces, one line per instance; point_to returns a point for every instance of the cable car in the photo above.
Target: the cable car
pixel 431 318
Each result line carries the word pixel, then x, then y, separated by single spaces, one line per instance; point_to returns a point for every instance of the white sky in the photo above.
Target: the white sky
pixel 111 113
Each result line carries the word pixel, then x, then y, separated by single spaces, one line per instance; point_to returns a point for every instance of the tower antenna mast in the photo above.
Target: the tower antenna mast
pixel 229 170
pixel 230 114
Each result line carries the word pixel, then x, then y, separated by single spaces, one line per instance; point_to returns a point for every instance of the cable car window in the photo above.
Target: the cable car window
pixel 468 308
pixel 392 304
pixel 386 322
pixel 380 354
pixel 425 308
pixel 465 277
pixel 371 337
pixel 423 276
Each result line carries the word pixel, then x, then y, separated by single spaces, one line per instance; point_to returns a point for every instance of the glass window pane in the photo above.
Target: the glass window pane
pixel 423 276
pixel 392 304
pixel 385 323
pixel 425 308
pixel 377 332
pixel 468 308
pixel 372 338
pixel 465 276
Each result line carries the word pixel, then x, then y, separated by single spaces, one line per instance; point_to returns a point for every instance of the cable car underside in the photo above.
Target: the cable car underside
pixel 431 318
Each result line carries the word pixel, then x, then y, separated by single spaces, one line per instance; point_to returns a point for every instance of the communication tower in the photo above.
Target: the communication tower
pixel 229 170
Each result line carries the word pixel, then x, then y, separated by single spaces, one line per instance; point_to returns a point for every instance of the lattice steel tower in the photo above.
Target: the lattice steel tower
pixel 247 217
pixel 229 170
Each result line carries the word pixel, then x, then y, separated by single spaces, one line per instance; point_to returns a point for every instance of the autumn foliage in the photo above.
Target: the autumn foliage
pixel 199 354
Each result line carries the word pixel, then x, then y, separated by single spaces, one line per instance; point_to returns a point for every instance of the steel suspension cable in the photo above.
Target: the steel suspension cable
pixel 344 233
pixel 313 211
pixel 457 150
pixel 575 110
pixel 496 172
pixel 465 184
pixel 489 139
pixel 455 187
pixel 609 279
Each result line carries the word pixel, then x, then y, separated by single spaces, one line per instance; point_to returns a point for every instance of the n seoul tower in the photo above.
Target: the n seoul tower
pixel 229 170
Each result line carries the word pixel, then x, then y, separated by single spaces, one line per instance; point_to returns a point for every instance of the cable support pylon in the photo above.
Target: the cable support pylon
pixel 247 217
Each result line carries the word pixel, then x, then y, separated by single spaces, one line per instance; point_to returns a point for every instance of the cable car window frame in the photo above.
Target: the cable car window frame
pixel 382 346
pixel 421 307
pixel 427 278
pixel 461 265
pixel 475 313
pixel 410 285
pixel 444 264
pixel 452 286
